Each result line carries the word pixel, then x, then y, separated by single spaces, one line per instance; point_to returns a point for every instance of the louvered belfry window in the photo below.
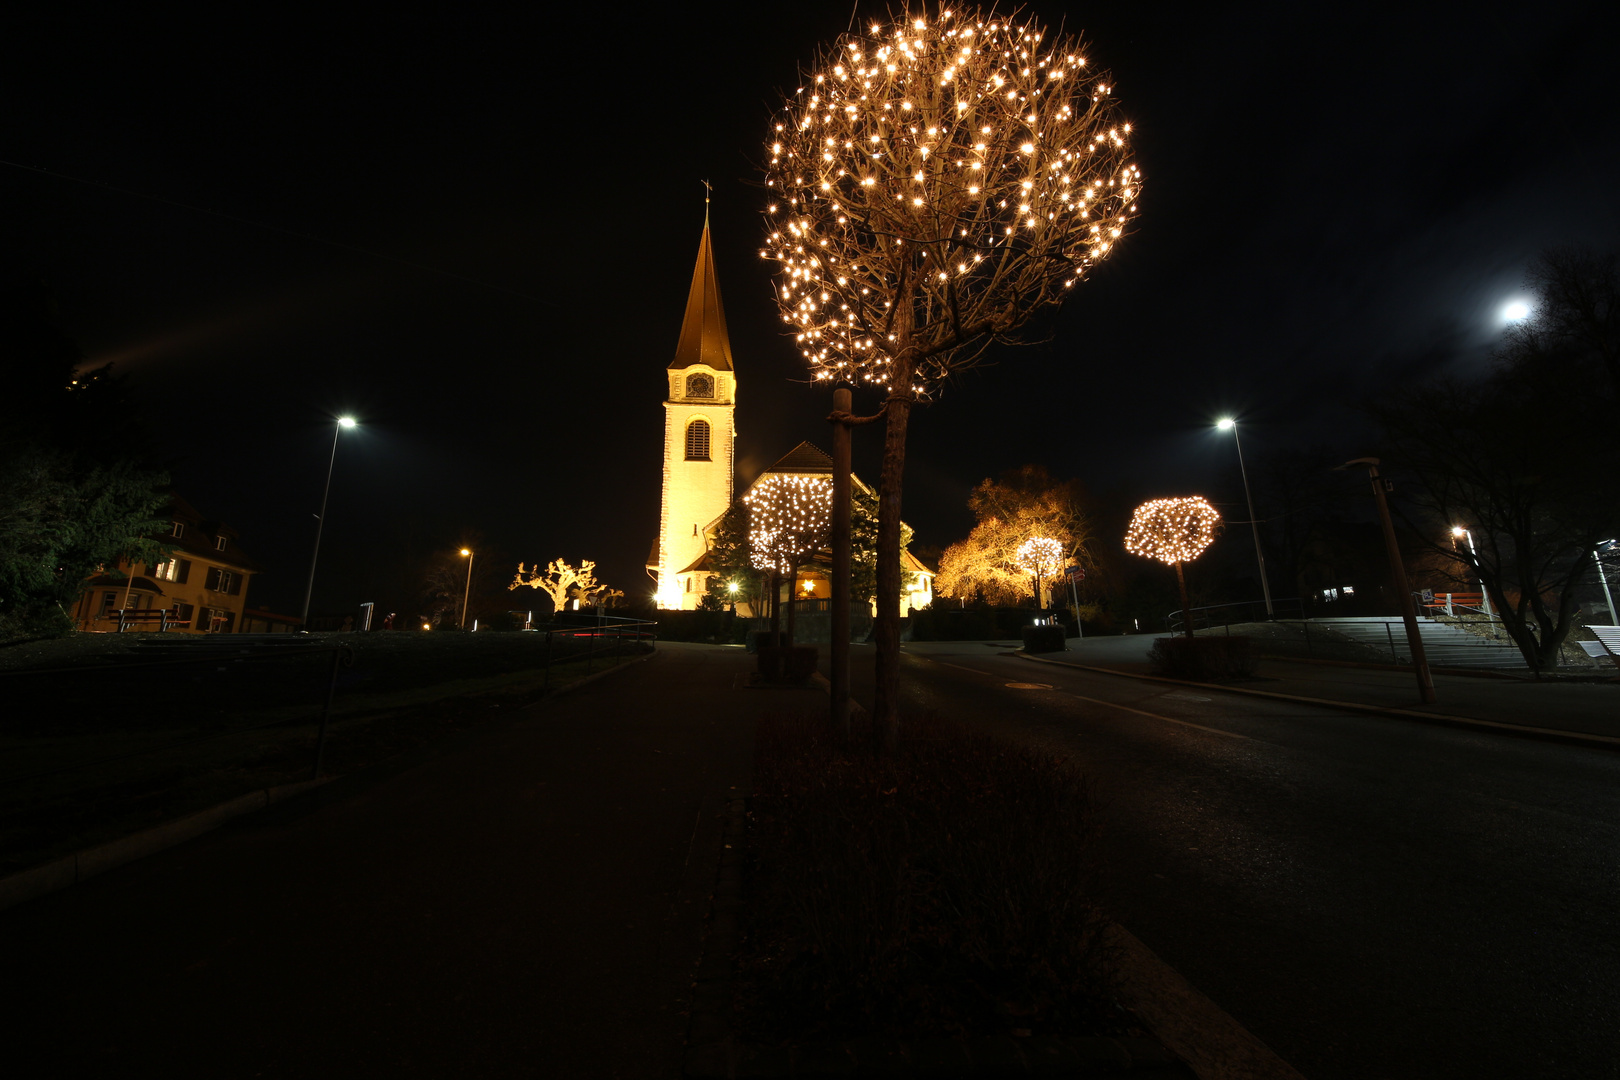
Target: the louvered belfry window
pixel 697 441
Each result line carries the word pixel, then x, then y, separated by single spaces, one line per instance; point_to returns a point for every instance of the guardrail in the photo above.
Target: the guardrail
pixel 1240 611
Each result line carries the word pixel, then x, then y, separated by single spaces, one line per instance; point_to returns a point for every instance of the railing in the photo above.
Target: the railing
pixel 604 635
pixel 1242 611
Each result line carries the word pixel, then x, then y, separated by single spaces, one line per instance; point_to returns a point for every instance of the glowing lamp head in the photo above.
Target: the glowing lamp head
pixel 466 551
pixel 1457 530
pixel 731 587
pixel 1226 423
pixel 1515 311
pixel 346 421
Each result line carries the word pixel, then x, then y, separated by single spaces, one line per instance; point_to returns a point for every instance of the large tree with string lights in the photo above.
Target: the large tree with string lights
pixel 934 183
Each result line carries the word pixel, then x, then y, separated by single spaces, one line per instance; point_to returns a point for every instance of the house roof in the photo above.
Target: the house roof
pixel 802 459
pixel 699 564
pixel 200 537
pixel 703 332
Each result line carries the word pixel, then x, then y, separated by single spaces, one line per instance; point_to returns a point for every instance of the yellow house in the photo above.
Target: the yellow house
pixel 205 581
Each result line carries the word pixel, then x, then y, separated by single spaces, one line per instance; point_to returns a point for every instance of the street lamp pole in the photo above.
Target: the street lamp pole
pixel 1414 638
pixel 1484 593
pixel 320 519
pixel 1607 595
pixel 1228 424
pixel 465 593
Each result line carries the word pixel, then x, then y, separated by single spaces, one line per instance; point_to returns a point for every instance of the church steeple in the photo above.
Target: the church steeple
pixel 700 439
pixel 703 332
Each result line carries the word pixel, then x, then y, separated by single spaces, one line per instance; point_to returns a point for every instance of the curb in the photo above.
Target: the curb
pixel 81 865
pixel 1498 727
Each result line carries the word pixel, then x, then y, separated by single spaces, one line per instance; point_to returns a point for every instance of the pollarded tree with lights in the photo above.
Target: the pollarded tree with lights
pixel 788 519
pixel 1040 557
pixel 1174 531
pixel 935 183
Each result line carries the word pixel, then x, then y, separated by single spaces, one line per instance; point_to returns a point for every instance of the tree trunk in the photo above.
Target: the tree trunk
pixel 793 600
pixel 1186 608
pixel 776 607
pixel 838 644
pixel 886 626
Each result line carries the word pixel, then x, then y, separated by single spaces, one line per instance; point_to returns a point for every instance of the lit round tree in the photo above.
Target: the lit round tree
pixel 933 184
pixel 1041 557
pixel 1173 531
pixel 788 519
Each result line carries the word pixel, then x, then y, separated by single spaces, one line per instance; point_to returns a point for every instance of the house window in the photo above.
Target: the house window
pixel 699 386
pixel 697 441
pixel 178 530
pixel 107 602
pixel 224 581
pixel 167 571
pixel 219 543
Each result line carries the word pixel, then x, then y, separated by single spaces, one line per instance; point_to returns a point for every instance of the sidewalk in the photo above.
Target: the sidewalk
pixel 528 904
pixel 1587 708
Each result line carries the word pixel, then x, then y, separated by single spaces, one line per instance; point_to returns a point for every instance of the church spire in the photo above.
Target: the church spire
pixel 703 332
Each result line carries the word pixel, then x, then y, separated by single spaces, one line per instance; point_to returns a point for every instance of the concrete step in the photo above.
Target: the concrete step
pixel 1445 645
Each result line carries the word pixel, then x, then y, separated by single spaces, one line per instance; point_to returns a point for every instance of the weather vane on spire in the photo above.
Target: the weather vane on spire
pixel 708 189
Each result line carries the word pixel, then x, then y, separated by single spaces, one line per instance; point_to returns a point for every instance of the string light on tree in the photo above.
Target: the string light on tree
pixel 788 519
pixel 1173 531
pixel 1040 557
pixel 961 162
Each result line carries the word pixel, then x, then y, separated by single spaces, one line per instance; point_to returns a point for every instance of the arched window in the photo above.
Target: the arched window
pixel 697 441
pixel 699 386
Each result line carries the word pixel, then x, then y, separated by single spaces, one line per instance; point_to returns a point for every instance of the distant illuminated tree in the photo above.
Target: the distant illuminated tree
pixel 561 582
pixel 1040 557
pixel 788 520
pixel 1023 502
pixel 934 183
pixel 1173 531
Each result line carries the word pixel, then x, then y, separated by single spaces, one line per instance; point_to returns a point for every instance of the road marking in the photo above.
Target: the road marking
pixel 1029 686
pixel 1125 708
pixel 959 667
pixel 1156 716
pixel 1114 705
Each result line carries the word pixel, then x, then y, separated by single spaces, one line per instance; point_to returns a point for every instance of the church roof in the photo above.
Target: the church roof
pixel 803 459
pixel 703 332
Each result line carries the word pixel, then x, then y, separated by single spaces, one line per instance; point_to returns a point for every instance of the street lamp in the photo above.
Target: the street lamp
pixel 1226 423
pixel 468 590
pixel 320 519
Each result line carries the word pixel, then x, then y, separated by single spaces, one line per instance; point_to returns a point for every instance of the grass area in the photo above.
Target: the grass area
pixel 946 889
pixel 97 741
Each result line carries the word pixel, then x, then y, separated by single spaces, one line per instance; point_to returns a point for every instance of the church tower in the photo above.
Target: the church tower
pixel 700 438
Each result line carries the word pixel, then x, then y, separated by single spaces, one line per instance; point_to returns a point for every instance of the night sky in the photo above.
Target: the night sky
pixel 475 234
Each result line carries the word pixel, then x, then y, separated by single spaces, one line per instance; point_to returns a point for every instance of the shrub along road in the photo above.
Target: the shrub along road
pixel 1371 897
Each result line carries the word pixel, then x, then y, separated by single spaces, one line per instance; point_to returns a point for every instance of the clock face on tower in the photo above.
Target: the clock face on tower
pixel 699 386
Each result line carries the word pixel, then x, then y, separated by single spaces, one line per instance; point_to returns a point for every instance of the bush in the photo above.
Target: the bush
pixel 1203 658
pixel 1043 638
pixel 944 889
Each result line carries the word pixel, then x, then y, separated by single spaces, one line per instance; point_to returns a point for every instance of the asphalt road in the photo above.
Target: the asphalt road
pixel 1373 898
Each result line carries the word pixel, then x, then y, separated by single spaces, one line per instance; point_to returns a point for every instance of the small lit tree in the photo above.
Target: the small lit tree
pixel 788 519
pixel 1040 557
pixel 934 183
pixel 561 581
pixel 1173 531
